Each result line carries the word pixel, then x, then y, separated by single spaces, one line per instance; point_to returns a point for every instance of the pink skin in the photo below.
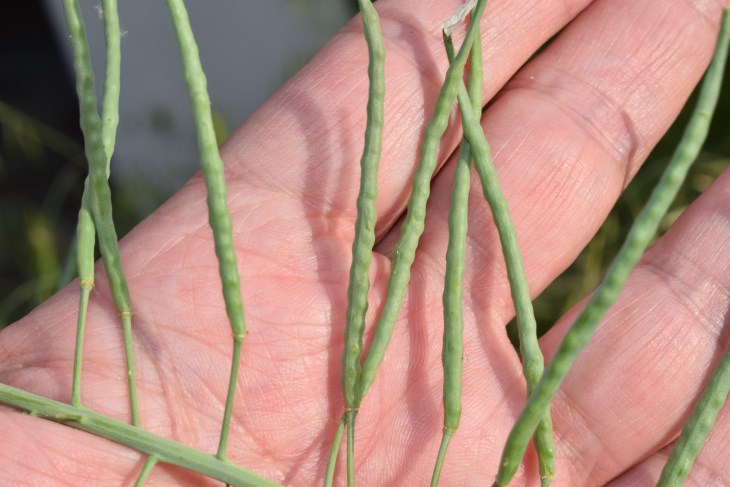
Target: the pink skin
pixel 567 132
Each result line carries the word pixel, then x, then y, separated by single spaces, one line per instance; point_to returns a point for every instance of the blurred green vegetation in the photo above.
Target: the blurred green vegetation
pixel 39 201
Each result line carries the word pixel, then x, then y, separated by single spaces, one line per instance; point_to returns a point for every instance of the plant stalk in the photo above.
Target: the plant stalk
pixel 165 449
pixel 149 464
pixel 332 463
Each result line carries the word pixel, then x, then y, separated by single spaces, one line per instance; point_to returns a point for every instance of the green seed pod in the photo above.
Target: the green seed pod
pixel 640 234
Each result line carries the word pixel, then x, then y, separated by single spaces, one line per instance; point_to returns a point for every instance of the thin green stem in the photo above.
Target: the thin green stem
pixel 334 452
pixel 641 233
pixel 218 213
pixel 698 426
pixel 168 451
pixel 149 464
pixel 351 415
pixel 129 356
pixel 445 439
pixel 413 225
pixel 100 195
pixel 235 367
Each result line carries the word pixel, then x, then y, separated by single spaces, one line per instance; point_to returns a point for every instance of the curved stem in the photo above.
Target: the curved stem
pixel 445 439
pixel 334 453
pixel 233 379
pixel 149 464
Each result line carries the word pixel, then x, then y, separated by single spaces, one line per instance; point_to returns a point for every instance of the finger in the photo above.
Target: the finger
pixel 569 132
pixel 646 364
pixel 710 468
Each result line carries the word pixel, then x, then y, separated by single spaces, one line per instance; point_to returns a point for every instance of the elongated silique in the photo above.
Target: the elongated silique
pixel 218 215
pixel 641 233
pixel 452 353
pixel 405 249
pixel 100 195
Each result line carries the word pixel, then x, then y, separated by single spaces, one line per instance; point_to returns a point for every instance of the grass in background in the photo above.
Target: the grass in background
pixel 41 178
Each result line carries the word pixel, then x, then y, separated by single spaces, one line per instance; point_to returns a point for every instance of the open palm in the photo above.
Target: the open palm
pixel 567 132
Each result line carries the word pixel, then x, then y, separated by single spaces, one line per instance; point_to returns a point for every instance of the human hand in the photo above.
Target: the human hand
pixel 567 133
